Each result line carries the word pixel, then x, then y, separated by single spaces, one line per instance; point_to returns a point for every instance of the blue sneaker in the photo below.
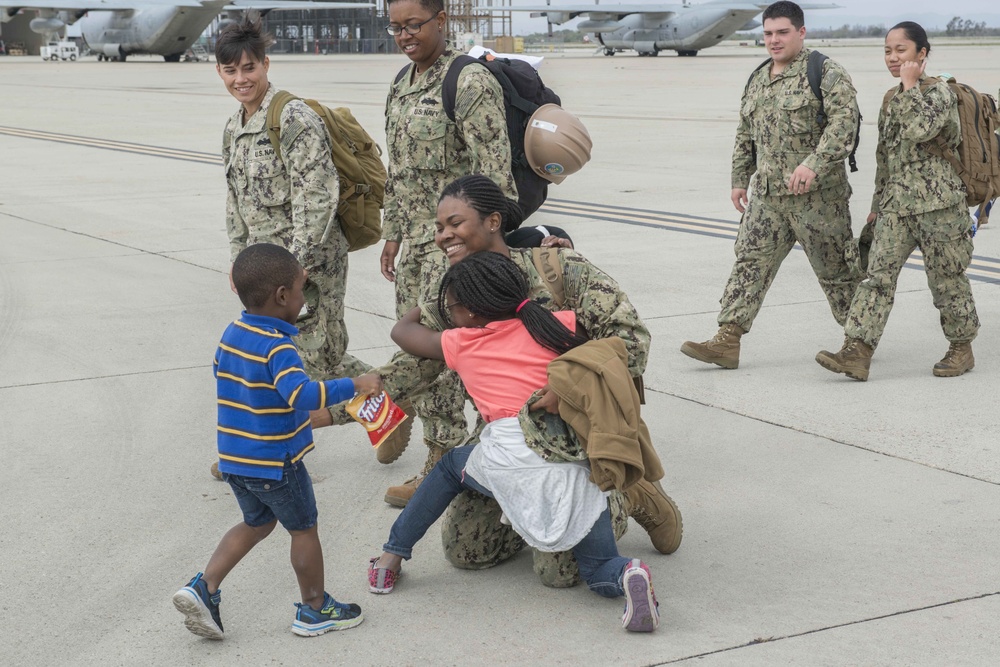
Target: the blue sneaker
pixel 333 616
pixel 200 608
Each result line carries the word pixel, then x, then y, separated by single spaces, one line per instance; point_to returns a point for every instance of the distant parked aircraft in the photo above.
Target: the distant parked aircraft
pixel 115 29
pixel 649 29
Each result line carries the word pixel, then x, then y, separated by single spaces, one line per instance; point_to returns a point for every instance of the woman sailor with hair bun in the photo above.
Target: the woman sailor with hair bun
pixel 919 202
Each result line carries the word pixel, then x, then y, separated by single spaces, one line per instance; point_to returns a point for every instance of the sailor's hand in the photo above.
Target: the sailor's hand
pixel 739 197
pixel 387 262
pixel 556 242
pixel 871 217
pixel 801 180
pixel 910 73
pixel 548 400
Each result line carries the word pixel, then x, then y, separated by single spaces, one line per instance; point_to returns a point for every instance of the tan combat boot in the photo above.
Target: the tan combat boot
pixel 722 350
pixel 957 360
pixel 394 445
pixel 653 509
pixel 853 360
pixel 398 496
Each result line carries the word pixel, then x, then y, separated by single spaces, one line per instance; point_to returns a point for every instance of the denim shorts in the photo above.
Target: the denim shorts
pixel 290 499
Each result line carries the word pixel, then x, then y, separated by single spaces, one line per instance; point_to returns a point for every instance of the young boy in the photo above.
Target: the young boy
pixel 264 401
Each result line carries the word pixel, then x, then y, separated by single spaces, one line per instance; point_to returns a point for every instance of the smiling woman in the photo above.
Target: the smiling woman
pixel 470 217
pixel 428 150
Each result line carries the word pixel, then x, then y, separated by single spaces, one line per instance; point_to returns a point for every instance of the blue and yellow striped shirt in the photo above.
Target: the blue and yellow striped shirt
pixel 265 397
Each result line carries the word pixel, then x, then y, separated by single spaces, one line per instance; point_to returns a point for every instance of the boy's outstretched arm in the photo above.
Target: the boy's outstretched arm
pixel 416 339
pixel 301 393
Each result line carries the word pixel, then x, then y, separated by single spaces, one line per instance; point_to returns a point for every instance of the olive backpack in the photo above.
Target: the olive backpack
pixel 550 268
pixel 359 168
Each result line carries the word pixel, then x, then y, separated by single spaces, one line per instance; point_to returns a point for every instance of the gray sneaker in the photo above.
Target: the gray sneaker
pixel 642 612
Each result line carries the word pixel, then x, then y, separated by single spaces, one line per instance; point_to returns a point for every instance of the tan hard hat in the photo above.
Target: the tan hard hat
pixel 556 143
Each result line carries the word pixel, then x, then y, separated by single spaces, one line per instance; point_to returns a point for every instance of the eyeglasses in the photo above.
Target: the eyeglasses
pixel 410 28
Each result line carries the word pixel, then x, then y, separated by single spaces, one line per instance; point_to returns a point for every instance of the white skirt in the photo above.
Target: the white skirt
pixel 551 505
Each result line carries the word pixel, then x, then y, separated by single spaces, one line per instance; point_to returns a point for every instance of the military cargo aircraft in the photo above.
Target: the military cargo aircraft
pixel 115 29
pixel 652 28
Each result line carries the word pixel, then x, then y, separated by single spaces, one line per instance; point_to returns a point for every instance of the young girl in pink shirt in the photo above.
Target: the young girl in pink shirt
pixel 500 345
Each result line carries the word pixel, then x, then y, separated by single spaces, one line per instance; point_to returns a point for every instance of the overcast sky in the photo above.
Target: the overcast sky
pixel 866 12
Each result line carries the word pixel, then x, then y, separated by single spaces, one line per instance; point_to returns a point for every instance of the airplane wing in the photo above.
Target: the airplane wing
pixel 586 9
pixel 306 5
pixel 91 5
pixel 11 7
pixel 807 5
pixel 622 10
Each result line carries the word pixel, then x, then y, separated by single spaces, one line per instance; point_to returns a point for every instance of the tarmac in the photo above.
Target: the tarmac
pixel 826 521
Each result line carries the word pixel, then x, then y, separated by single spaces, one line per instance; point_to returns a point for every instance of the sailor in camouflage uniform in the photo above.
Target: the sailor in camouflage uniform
pixel 919 202
pixel 472 533
pixel 799 184
pixel 289 199
pixel 426 151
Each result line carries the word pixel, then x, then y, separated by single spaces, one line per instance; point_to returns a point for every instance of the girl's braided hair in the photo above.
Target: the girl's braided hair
pixel 485 197
pixel 493 287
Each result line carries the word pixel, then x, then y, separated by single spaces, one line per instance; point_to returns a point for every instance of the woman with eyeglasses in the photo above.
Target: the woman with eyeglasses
pixel 427 150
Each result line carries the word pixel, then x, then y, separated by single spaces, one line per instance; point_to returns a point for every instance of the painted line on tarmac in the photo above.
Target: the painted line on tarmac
pixel 120 146
pixel 985 269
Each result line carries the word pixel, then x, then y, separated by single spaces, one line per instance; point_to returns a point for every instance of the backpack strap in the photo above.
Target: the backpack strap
pixel 746 88
pixel 273 122
pixel 402 73
pixel 546 261
pixel 814 73
pixel 450 86
pixel 754 73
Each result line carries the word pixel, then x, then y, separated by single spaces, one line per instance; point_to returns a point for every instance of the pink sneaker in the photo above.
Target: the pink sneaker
pixel 381 580
pixel 642 613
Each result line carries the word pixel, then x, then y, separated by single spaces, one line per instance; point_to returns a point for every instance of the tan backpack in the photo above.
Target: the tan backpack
pixel 977 158
pixel 550 268
pixel 359 167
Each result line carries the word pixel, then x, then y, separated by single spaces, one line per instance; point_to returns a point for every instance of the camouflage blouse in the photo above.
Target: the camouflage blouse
pixel 908 178
pixel 290 202
pixel 778 121
pixel 427 151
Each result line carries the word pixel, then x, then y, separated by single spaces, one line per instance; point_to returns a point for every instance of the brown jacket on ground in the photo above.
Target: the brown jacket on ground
pixel 599 401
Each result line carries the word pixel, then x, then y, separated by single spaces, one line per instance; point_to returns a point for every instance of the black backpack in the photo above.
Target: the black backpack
pixel 814 73
pixel 523 93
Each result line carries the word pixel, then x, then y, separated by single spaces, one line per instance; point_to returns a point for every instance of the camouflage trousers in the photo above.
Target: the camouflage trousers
pixel 474 539
pixel 322 339
pixel 945 238
pixel 441 406
pixel 821 222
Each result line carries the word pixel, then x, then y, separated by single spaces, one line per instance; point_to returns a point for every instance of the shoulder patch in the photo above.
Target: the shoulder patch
pixel 290 131
pixel 831 77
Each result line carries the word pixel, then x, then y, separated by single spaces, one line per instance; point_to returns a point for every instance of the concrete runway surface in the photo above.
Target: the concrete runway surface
pixel 827 522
